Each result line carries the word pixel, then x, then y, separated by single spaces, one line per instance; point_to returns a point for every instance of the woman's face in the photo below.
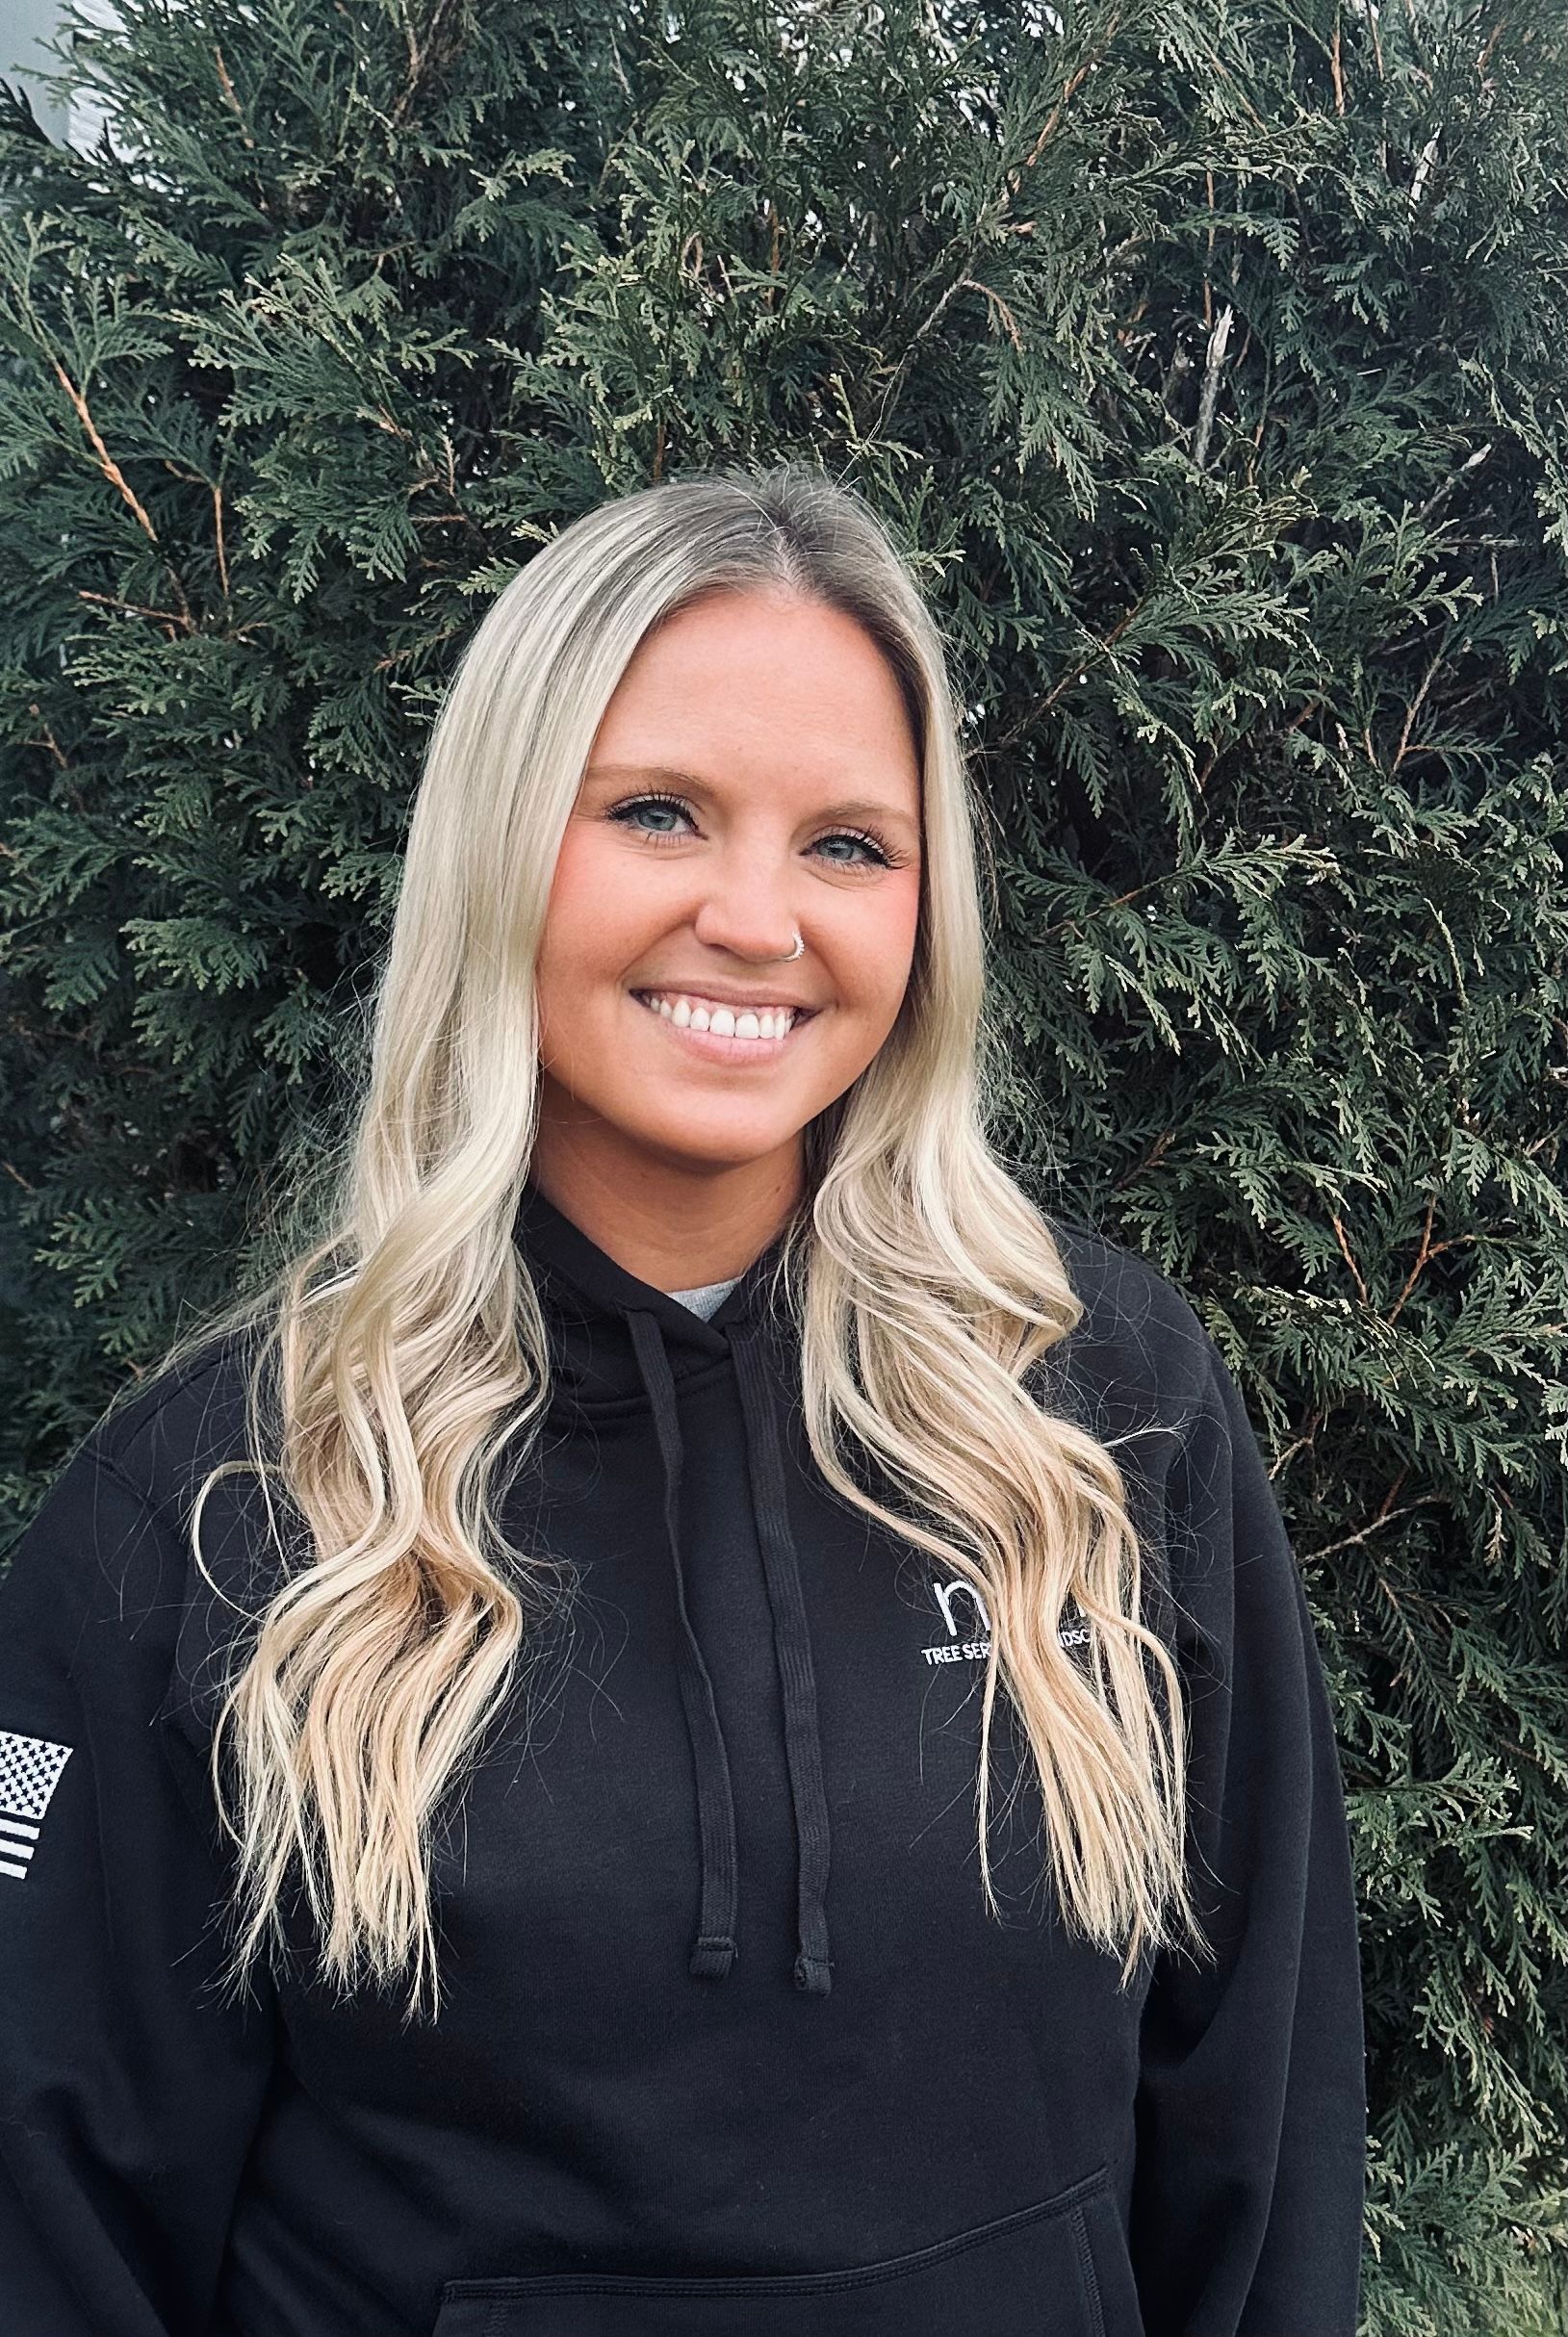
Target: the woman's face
pixel 773 735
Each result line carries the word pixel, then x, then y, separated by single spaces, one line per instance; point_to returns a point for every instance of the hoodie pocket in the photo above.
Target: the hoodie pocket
pixel 1032 2273
pixel 1109 2267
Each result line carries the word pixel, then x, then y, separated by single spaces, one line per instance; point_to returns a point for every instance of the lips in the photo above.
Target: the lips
pixel 648 992
pixel 718 1048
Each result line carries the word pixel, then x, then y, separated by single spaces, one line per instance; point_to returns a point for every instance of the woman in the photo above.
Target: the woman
pixel 746 1693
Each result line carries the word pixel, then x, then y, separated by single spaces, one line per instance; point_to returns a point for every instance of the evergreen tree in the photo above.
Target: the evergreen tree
pixel 1209 358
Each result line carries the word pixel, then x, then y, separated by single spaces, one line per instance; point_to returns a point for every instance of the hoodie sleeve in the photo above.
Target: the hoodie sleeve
pixel 128 2094
pixel 1252 2108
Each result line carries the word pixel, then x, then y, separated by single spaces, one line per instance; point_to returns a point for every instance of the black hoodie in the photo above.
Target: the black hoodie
pixel 730 2043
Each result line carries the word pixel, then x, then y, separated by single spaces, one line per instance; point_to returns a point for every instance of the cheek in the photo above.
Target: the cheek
pixel 872 955
pixel 591 919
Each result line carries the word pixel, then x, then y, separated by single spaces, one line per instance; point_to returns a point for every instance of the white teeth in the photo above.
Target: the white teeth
pixel 724 1021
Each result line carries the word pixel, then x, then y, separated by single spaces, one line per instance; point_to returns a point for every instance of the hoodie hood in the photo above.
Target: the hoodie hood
pixel 615 1341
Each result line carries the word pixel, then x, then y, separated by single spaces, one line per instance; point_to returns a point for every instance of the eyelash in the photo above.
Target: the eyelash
pixel 885 856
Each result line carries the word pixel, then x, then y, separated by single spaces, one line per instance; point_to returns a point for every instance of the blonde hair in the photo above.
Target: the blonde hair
pixel 410 1349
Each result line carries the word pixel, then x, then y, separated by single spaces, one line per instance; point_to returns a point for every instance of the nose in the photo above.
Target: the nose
pixel 747 920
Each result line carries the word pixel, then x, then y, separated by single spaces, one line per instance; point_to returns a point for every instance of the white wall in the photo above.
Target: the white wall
pixel 23 24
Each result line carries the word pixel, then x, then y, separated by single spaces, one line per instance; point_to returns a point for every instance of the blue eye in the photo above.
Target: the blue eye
pixel 621 813
pixel 640 803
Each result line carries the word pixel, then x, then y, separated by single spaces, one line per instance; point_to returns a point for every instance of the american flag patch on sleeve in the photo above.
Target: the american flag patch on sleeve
pixel 29 1769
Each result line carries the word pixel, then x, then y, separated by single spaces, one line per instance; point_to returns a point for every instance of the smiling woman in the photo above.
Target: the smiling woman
pixel 673 1286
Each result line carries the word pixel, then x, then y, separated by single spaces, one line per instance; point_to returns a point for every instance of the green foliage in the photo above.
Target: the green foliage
pixel 1209 361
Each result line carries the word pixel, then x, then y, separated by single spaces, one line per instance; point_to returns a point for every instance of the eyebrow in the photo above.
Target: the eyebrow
pixel 859 806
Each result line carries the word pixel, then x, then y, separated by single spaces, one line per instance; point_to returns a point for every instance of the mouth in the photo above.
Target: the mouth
pixel 717 1046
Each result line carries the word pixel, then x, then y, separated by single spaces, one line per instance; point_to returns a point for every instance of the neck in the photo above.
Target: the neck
pixel 670 1226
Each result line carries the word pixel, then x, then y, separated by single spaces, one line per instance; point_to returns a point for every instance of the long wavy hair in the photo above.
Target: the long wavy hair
pixel 403 1351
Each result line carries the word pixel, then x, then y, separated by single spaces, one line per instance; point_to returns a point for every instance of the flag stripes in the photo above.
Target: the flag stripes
pixel 30 1768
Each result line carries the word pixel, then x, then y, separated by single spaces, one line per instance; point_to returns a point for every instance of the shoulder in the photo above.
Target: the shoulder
pixel 1138 1349
pixel 165 1436
pixel 108 1560
pixel 1141 1371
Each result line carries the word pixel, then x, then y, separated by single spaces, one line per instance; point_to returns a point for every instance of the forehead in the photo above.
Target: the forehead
pixel 743 679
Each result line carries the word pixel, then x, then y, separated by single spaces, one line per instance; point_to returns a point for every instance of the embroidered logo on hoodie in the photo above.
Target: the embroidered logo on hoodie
pixel 956 1648
pixel 29 1769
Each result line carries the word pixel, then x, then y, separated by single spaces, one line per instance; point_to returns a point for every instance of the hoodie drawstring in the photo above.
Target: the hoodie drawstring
pixel 714 1950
